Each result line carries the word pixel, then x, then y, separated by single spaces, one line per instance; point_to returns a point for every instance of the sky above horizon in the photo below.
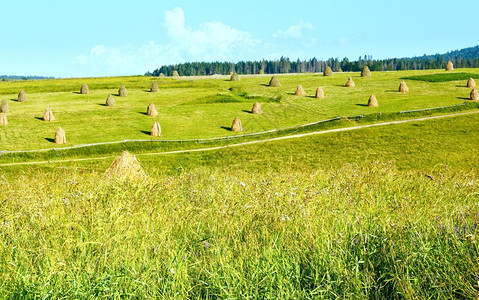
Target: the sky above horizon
pixel 110 38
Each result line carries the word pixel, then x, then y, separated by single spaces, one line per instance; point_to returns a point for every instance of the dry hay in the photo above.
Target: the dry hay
pixel 231 73
pixel 449 66
pixel 155 129
pixel 22 96
pixel 161 75
pixel 4 106
pixel 60 137
pixel 256 108
pixel 151 110
pixel 3 119
pixel 261 72
pixel 48 115
pixel 471 83
pixel 365 72
pixel 403 87
pixel 350 82
pixel 175 74
pixel 319 93
pixel 125 166
pixel 122 92
pixel 234 77
pixel 340 70
pixel 474 95
pixel 110 101
pixel 328 72
pixel 274 82
pixel 84 89
pixel 300 91
pixel 373 102
pixel 154 87
pixel 236 126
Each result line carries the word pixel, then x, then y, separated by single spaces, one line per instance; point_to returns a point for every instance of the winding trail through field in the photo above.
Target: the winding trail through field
pixel 249 142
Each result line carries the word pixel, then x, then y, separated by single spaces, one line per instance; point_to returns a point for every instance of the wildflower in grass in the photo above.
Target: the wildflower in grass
pixel 172 271
pixel 207 245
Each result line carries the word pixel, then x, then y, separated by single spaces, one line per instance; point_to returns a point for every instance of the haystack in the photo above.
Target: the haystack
pixel 319 93
pixel 3 119
pixel 350 82
pixel 236 126
pixel 48 115
pixel 122 92
pixel 155 129
pixel 110 101
pixel 340 70
pixel 365 72
pixel 125 166
pixel 449 66
pixel 60 136
pixel 22 96
pixel 234 77
pixel 175 74
pixel 154 87
pixel 474 95
pixel 161 75
pixel 261 72
pixel 256 108
pixel 373 102
pixel 328 72
pixel 471 83
pixel 403 87
pixel 4 106
pixel 151 110
pixel 274 82
pixel 84 89
pixel 300 91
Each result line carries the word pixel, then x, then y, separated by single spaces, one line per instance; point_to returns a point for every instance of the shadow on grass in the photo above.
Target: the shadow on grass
pixel 14 100
pixel 78 93
pixel 265 84
pixel 143 113
pixel 146 132
pixel 247 111
pixel 39 118
pixel 463 98
pixel 460 85
pixel 102 104
pixel 361 104
pixel 226 128
pixel 50 140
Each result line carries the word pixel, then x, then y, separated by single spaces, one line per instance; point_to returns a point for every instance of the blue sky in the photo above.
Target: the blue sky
pixel 107 38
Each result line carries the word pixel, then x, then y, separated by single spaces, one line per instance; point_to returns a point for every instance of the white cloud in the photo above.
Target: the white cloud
pixel 294 31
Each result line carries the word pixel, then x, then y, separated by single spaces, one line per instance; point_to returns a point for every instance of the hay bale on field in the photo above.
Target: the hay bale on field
pixel 365 72
pixel 261 72
pixel 299 91
pixel 403 87
pixel 236 126
pixel 474 95
pixel 340 70
pixel 60 137
pixel 122 92
pixel 350 82
pixel 231 73
pixel 234 77
pixel 154 87
pixel 3 120
pixel 48 115
pixel 449 66
pixel 110 101
pixel 274 82
pixel 471 83
pixel 22 96
pixel 175 74
pixel 125 166
pixel 328 72
pixel 84 89
pixel 161 75
pixel 373 102
pixel 256 108
pixel 151 110
pixel 319 93
pixel 4 106
pixel 155 129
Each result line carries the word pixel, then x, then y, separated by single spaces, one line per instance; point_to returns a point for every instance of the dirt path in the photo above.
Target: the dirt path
pixel 250 142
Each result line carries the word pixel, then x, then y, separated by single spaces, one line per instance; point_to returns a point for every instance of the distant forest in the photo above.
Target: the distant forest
pixel 464 58
pixel 15 77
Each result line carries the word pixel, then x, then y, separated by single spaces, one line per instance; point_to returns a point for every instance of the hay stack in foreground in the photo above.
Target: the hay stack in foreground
pixel 154 87
pixel 84 89
pixel 175 74
pixel 319 93
pixel 300 91
pixel 474 95
pixel 234 77
pixel 122 92
pixel 155 129
pixel 236 126
pixel 274 82
pixel 365 72
pixel 4 106
pixel 373 102
pixel 449 66
pixel 22 96
pixel 3 119
pixel 471 83
pixel 256 108
pixel 350 82
pixel 60 137
pixel 403 87
pixel 328 72
pixel 110 101
pixel 161 75
pixel 261 72
pixel 48 115
pixel 125 166
pixel 151 110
